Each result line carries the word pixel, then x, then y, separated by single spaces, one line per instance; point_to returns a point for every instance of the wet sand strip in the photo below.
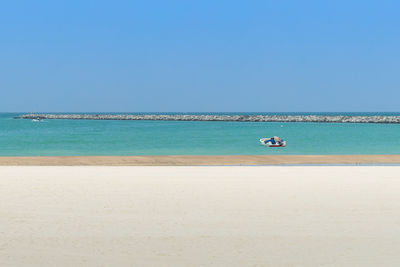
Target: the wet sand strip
pixel 198 160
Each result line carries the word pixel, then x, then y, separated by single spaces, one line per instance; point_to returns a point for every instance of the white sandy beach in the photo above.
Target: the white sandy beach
pixel 200 216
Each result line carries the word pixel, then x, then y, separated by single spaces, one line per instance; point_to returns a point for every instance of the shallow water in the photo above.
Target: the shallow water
pixel 95 137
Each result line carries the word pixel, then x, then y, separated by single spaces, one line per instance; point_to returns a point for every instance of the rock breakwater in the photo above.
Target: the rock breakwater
pixel 239 118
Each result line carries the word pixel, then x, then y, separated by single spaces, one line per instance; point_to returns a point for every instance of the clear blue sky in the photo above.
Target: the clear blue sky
pixel 200 55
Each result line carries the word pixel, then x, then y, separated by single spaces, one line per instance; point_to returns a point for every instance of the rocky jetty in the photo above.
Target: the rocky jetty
pixel 243 118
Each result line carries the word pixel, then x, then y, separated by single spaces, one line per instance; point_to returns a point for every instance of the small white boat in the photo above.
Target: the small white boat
pixel 273 142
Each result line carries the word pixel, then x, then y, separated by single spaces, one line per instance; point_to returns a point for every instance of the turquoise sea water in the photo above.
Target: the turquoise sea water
pixel 94 137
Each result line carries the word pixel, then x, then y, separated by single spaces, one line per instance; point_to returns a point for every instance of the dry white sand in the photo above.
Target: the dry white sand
pixel 200 216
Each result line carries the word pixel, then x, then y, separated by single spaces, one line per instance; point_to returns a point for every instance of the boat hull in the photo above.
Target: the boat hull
pixel 269 144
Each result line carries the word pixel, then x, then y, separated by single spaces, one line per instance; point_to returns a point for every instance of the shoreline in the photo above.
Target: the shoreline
pixel 196 160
